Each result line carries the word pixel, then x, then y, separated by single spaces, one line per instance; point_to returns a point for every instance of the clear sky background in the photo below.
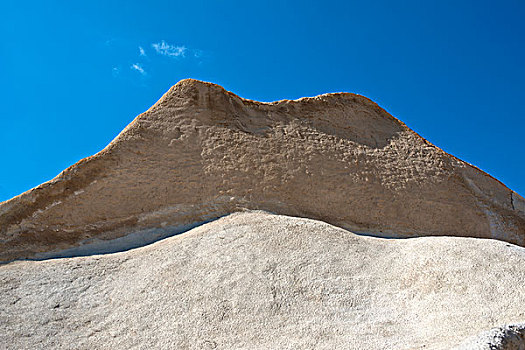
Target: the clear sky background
pixel 75 73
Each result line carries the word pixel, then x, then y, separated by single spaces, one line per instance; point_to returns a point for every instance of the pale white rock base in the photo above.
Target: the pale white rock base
pixel 260 281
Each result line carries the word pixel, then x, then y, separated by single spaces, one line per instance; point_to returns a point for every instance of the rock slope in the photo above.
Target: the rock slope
pixel 201 152
pixel 258 281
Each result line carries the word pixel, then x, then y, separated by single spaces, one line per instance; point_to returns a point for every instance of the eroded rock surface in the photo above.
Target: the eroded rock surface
pixel 508 337
pixel 260 281
pixel 201 152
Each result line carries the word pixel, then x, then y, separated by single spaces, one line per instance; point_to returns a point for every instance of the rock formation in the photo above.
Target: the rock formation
pixel 259 281
pixel 278 192
pixel 201 152
pixel 508 337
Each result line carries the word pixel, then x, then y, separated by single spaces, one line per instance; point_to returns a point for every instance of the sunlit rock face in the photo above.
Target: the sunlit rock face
pixel 202 152
pixel 286 225
pixel 253 280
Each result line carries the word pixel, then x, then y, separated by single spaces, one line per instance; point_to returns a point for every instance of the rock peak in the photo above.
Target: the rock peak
pixel 185 85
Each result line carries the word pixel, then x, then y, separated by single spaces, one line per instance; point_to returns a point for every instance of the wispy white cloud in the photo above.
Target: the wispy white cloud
pixel 142 52
pixel 198 53
pixel 138 68
pixel 115 71
pixel 165 49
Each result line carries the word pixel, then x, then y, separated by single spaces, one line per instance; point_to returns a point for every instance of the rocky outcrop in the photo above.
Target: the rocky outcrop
pixel 259 281
pixel 509 337
pixel 201 152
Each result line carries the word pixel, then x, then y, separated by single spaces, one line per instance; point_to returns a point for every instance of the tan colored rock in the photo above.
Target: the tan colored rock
pixel 201 152
pixel 261 281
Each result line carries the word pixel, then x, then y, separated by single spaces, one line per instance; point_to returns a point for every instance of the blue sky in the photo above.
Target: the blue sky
pixel 74 73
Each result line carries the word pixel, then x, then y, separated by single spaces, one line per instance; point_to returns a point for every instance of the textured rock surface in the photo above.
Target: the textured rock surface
pixel 261 281
pixel 201 152
pixel 511 337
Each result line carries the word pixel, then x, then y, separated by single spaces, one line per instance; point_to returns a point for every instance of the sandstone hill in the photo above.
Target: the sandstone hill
pixel 277 205
pixel 202 152
pixel 254 280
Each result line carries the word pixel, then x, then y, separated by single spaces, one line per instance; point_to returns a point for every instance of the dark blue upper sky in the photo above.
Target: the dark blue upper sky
pixel 74 74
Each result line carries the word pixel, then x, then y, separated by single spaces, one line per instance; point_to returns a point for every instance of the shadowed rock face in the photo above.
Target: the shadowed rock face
pixel 201 152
